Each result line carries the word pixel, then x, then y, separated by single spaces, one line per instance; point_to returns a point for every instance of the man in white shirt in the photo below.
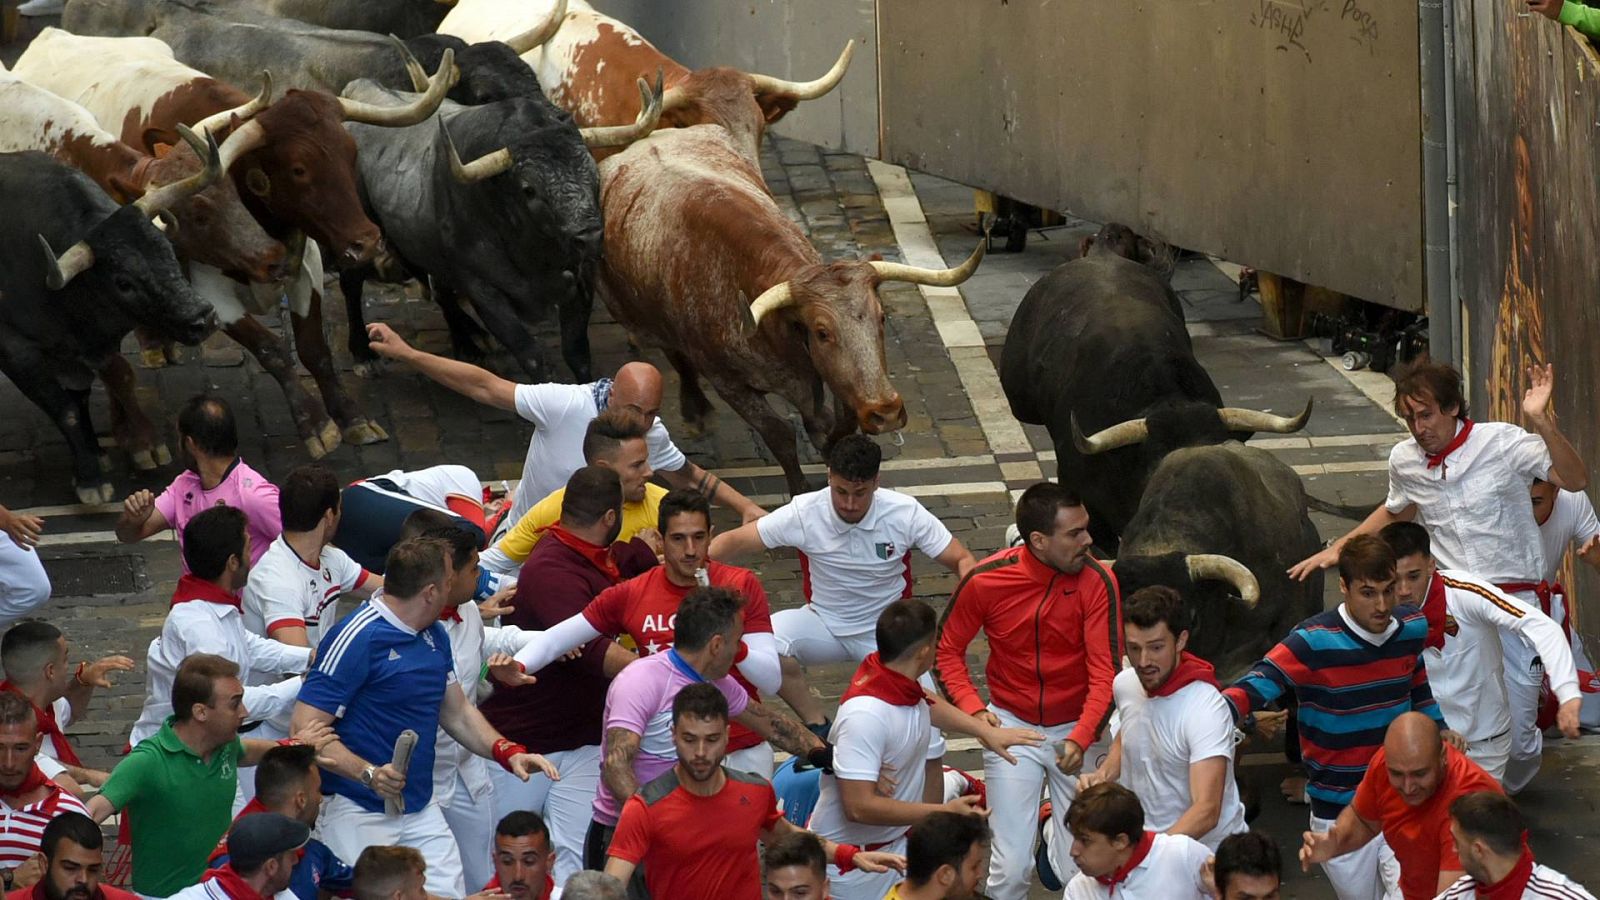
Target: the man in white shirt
pixel 374 509
pixel 1468 622
pixel 855 541
pixel 205 618
pixel 1118 858
pixel 884 730
pixel 1467 483
pixel 1567 519
pixel 560 413
pixel 1174 748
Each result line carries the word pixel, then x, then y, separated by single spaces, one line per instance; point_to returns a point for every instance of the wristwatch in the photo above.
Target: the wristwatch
pixel 367 773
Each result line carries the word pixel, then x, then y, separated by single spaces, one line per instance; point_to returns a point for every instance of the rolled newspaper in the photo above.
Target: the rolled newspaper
pixel 403 745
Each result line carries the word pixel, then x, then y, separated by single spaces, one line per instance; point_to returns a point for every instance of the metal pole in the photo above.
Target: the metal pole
pixel 1436 257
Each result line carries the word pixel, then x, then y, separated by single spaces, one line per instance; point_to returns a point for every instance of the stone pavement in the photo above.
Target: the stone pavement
pixel 112 597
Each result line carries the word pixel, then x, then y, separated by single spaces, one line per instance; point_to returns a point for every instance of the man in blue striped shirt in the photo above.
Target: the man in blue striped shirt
pixel 1353 669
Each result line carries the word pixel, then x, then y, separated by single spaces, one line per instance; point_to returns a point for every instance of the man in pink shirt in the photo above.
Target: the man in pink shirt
pixel 213 475
pixel 637 742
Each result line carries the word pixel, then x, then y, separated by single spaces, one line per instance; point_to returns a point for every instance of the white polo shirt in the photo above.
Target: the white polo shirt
pixel 285 592
pixel 1171 871
pixel 1162 737
pixel 561 413
pixel 1475 506
pixel 851 572
pixel 1572 521
pixel 871 737
pixel 1467 675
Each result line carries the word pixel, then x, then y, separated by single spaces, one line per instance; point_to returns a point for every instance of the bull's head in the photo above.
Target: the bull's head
pixel 744 103
pixel 1187 424
pixel 1120 240
pixel 213 225
pixel 835 311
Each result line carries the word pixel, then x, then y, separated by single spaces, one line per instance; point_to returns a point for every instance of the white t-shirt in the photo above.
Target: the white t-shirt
pixel 435 485
pixel 1467 675
pixel 561 414
pixel 1545 884
pixel 285 592
pixel 851 572
pixel 1171 871
pixel 1572 521
pixel 870 737
pixel 1475 506
pixel 1162 737
pixel 47 748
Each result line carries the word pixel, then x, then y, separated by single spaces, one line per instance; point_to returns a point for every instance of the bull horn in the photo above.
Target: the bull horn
pixel 159 200
pixel 531 39
pixel 410 113
pixel 1255 420
pixel 806 90
pixel 419 75
pixel 620 135
pixel 888 271
pixel 1122 434
pixel 246 138
pixel 486 166
pixel 772 299
pixel 59 271
pixel 218 121
pixel 1216 567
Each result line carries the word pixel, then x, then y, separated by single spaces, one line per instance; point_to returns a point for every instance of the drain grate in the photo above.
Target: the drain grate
pixel 85 576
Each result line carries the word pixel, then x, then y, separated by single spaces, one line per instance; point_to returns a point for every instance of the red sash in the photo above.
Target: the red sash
pixel 1437 459
pixel 874 679
pixel 193 587
pixel 1140 851
pixel 1512 886
pixel 598 556
pixel 1190 669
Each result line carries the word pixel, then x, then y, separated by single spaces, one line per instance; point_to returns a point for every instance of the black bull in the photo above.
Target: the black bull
pixel 514 241
pixel 1204 507
pixel 53 341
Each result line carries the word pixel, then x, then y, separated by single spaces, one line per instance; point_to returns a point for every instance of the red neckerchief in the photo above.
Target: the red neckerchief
pixel 1515 882
pixel 1433 609
pixel 232 883
pixel 254 806
pixel 1437 459
pixel 1190 668
pixel 1140 851
pixel 450 614
pixel 193 587
pixel 598 556
pixel 549 886
pixel 46 718
pixel 874 679
pixel 31 782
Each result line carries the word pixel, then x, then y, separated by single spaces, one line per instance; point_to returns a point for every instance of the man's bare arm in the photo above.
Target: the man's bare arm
pixel 470 381
pixel 620 869
pixel 1329 555
pixel 778 729
pixel 693 478
pixel 957 558
pixel 616 770
pixel 741 541
pixel 1207 783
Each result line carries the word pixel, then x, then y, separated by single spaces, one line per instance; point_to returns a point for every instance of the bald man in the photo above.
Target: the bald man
pixel 560 414
pixel 1406 795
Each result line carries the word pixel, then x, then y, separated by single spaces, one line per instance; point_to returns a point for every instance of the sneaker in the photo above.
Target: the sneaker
pixel 42 8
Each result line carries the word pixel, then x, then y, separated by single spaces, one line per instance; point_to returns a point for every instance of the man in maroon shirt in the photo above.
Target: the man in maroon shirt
pixel 72 860
pixel 695 829
pixel 559 715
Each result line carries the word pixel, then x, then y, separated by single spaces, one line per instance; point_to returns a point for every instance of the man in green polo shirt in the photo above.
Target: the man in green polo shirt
pixel 177 786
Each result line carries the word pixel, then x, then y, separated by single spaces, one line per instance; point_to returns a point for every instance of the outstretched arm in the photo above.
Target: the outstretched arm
pixel 692 477
pixel 466 379
pixel 741 541
pixel 1566 466
pixel 778 729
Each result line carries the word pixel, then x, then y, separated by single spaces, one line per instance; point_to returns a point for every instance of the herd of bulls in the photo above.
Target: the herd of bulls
pixel 534 168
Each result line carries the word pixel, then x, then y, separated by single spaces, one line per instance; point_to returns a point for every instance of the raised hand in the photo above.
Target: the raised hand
pixel 1536 400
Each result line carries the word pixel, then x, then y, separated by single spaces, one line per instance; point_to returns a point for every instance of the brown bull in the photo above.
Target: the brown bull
pixel 691 235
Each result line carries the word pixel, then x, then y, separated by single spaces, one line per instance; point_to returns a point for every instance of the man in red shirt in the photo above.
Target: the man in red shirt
pixel 1406 795
pixel 645 609
pixel 695 828
pixel 72 859
pixel 523 858
pixel 1047 609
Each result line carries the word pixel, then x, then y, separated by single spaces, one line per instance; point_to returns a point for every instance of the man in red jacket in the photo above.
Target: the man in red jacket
pixel 1047 609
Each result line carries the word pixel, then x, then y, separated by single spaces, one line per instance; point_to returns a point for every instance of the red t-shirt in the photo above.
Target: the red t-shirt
pixel 1420 835
pixel 646 609
pixel 693 846
pixel 106 892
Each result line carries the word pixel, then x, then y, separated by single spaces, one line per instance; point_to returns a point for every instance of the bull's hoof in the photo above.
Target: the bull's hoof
pixel 325 441
pixel 152 358
pixel 373 369
pixel 173 352
pixel 163 455
pixel 698 428
pixel 363 432
pixel 92 495
pixel 144 460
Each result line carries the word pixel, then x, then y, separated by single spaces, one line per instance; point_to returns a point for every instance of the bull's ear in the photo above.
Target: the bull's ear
pixel 775 106
pixel 1085 244
pixel 258 182
pixel 155 137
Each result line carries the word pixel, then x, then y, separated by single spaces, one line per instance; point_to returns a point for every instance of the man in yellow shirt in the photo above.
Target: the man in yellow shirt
pixel 614 440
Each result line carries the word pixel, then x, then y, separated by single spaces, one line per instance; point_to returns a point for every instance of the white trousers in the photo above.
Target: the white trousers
pixel 1492 754
pixel 567 806
pixel 1371 873
pixel 859 885
pixel 24 586
pixel 472 820
pixel 1015 793
pixel 805 636
pixel 348 829
pixel 757 759
pixel 1524 689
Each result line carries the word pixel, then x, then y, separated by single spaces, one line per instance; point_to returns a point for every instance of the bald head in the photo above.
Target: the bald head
pixel 1414 755
pixel 637 385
